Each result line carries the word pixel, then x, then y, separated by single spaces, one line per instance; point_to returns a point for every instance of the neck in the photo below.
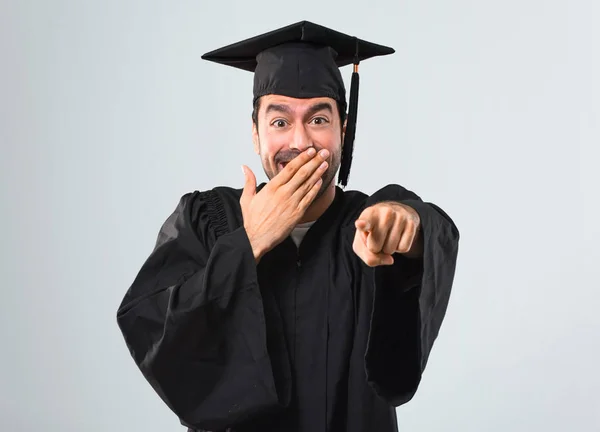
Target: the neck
pixel 319 205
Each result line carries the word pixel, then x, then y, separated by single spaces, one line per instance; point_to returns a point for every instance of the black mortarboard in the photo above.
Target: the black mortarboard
pixel 302 60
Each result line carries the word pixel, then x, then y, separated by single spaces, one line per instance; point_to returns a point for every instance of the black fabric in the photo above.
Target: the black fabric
pixel 301 60
pixel 299 70
pixel 310 339
pixel 348 147
pixel 243 54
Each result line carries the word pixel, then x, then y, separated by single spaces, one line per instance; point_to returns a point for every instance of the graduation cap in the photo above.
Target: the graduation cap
pixel 302 60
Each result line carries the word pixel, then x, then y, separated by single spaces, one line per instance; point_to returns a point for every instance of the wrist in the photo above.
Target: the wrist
pixel 258 253
pixel 258 249
pixel 416 250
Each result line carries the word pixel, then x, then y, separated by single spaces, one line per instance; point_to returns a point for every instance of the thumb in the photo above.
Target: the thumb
pixel 250 183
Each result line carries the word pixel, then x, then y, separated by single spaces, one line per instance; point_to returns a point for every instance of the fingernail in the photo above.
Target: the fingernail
pixel 311 151
pixel 323 166
pixel 324 153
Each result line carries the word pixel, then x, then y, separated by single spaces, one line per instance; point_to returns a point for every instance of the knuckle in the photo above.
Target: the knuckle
pixel 283 191
pixel 290 168
pixel 390 215
pixel 305 171
pixel 307 186
pixel 404 247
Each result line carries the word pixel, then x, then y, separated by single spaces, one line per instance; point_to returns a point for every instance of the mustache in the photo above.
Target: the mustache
pixel 285 156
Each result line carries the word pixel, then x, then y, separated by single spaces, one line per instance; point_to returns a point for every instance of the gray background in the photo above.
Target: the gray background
pixel 490 109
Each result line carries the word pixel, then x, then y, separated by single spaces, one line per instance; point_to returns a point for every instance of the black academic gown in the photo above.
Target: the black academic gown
pixel 308 340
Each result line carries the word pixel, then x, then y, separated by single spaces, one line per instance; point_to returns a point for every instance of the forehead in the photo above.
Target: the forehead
pixel 296 104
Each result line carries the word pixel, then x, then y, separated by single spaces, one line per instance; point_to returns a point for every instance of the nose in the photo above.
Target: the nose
pixel 300 139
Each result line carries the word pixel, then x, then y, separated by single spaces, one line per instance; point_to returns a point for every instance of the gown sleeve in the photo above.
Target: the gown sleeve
pixel 193 320
pixel 410 301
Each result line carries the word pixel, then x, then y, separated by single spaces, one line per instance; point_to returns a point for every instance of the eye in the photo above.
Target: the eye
pixel 319 121
pixel 279 123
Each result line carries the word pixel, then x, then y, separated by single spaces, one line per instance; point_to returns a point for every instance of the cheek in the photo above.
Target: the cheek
pixel 268 148
pixel 329 139
pixel 272 142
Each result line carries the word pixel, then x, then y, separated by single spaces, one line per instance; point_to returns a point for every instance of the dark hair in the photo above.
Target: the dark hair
pixel 341 109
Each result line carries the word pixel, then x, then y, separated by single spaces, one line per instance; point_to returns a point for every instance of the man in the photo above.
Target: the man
pixel 294 305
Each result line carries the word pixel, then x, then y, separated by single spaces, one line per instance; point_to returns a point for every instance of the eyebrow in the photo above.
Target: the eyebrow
pixel 321 106
pixel 278 108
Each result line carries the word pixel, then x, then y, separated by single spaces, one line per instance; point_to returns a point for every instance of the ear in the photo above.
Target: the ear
pixel 344 129
pixel 255 139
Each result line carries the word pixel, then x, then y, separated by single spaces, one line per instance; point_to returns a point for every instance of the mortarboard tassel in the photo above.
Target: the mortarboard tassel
pixel 346 161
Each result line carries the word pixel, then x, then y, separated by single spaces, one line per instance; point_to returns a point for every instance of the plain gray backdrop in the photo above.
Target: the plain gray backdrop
pixel 489 109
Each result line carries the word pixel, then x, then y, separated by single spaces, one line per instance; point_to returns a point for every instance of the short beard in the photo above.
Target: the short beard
pixel 328 177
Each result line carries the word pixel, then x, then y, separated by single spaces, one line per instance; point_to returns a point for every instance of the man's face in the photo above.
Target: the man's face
pixel 288 126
